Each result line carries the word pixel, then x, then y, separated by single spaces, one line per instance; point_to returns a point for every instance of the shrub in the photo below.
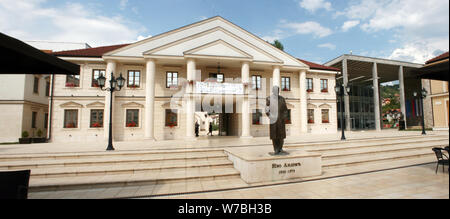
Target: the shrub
pixel 39 133
pixel 25 134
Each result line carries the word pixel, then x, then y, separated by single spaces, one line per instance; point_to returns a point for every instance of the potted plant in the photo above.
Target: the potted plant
pixel 39 139
pixel 325 121
pixel 25 139
pixel 97 125
pixel 131 124
pixel 310 121
pixel 325 90
pixel 70 126
pixel 285 89
pixel 68 84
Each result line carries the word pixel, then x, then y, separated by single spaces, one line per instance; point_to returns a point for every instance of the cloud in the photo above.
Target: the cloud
pixel 420 27
pixel 309 27
pixel 349 25
pixel 314 5
pixel 328 46
pixel 276 35
pixel 140 37
pixel 71 22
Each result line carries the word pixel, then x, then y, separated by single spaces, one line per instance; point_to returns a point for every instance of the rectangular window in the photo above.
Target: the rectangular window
pixel 311 116
pixel 47 88
pixel 325 116
pixel 288 119
pixel 96 118
pixel 309 85
pixel 219 78
pixel 134 79
pixel 132 118
pixel 73 81
pixel 171 79
pixel 256 117
pixel 171 117
pixel 285 83
pixel 256 82
pixel 36 85
pixel 324 85
pixel 33 119
pixel 70 119
pixel 46 120
pixel 96 73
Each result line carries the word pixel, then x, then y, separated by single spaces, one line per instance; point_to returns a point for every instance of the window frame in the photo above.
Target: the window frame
pixel 168 122
pixel 258 119
pixel 101 123
pixel 128 124
pixel 311 115
pixel 34 116
pixel 216 76
pixel 75 123
pixel 328 115
pixel 75 77
pixel 36 85
pixel 256 85
pixel 308 89
pixel 172 84
pixel 286 79
pixel 133 84
pixel 324 85
pixel 94 80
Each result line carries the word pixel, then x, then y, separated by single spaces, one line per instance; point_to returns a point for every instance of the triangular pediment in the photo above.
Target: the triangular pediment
pixel 71 104
pixel 171 105
pixel 96 104
pixel 218 48
pixel 181 41
pixel 311 106
pixel 132 105
pixel 325 106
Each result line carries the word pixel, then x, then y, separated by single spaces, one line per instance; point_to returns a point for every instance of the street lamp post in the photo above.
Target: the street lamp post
pixel 115 85
pixel 423 95
pixel 340 90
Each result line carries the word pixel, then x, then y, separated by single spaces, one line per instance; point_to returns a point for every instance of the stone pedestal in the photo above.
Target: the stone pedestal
pixel 256 164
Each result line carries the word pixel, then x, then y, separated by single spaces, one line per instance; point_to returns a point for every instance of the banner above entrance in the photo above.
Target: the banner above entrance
pixel 218 88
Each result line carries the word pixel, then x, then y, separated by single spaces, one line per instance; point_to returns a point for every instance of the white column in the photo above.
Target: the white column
pixel 276 78
pixel 245 75
pixel 402 92
pixel 190 105
pixel 376 97
pixel 110 67
pixel 303 103
pixel 346 96
pixel 150 100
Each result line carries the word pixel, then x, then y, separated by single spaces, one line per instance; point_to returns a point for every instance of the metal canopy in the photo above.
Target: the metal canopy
pixel 21 58
pixel 435 71
pixel 361 67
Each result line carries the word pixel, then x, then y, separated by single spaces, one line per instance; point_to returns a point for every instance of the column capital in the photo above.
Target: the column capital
pixel 150 60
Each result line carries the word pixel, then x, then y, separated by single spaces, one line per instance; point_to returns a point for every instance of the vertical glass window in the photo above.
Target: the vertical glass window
pixel 132 118
pixel 256 117
pixel 47 88
pixel 96 118
pixel 96 73
pixel 285 83
pixel 325 116
pixel 33 119
pixel 256 82
pixel 70 118
pixel 134 79
pixel 311 116
pixel 171 117
pixel 171 79
pixel 324 85
pixel 309 85
pixel 288 119
pixel 46 120
pixel 36 85
pixel 73 81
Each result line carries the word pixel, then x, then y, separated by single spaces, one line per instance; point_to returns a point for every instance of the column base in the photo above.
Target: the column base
pixel 246 137
pixel 150 139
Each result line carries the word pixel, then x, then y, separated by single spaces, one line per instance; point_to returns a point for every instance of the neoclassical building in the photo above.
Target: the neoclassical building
pixel 211 66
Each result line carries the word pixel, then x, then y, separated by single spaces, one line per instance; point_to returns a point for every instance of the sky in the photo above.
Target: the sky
pixel 314 30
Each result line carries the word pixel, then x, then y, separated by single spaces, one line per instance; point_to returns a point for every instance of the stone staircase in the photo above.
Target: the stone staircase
pixel 122 174
pixel 83 171
pixel 408 150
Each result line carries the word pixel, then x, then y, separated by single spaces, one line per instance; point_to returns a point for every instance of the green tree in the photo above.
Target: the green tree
pixel 278 44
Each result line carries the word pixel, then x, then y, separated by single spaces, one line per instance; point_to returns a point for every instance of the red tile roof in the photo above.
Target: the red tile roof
pixel 438 58
pixel 90 52
pixel 319 67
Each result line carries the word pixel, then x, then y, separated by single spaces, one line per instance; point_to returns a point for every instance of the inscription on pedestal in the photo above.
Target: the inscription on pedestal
pixel 286 168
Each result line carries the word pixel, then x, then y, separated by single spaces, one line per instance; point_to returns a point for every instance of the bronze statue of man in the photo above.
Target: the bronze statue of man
pixel 277 112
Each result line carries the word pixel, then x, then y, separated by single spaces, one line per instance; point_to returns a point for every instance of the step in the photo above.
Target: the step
pixel 144 178
pixel 31 164
pixel 374 144
pixel 345 144
pixel 375 150
pixel 128 168
pixel 363 159
pixel 96 155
